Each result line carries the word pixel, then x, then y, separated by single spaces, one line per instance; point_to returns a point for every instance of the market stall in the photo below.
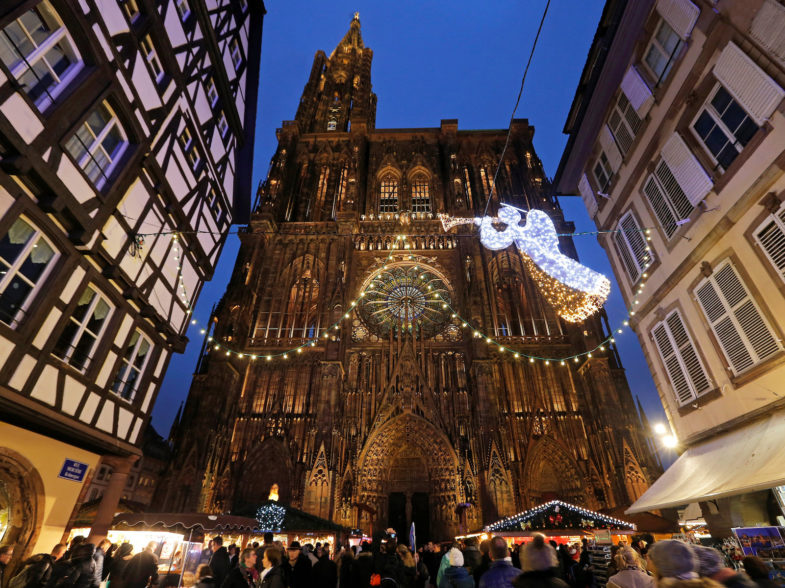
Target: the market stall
pixel 288 524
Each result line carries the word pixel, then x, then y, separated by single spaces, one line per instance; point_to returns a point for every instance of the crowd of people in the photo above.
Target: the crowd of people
pixel 386 563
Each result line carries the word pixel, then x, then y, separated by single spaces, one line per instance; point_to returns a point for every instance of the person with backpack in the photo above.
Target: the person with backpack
pixel 37 570
pixel 78 571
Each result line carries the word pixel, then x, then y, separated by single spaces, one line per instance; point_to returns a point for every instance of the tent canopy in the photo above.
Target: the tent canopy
pixel 747 459
pixel 558 515
pixel 206 522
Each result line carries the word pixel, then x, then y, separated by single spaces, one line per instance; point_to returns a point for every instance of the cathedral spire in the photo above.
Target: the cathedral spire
pixel 352 39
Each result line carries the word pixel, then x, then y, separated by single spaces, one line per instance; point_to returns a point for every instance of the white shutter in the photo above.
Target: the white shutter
pixel 637 91
pixel 689 174
pixel 757 93
pixel 743 334
pixel 770 235
pixel 659 203
pixel 589 200
pixel 768 29
pixel 610 148
pixel 681 15
pixel 631 244
pixel 685 369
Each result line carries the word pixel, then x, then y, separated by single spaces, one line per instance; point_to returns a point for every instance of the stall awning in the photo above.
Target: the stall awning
pixel 745 460
pixel 206 522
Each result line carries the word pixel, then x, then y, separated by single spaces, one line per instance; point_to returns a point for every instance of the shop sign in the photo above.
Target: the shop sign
pixel 73 470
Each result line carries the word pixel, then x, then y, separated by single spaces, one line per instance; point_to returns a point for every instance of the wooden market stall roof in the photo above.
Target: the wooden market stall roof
pixel 279 517
pixel 188 520
pixel 646 522
pixel 557 515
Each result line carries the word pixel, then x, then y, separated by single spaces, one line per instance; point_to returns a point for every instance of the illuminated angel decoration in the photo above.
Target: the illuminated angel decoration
pixel 574 290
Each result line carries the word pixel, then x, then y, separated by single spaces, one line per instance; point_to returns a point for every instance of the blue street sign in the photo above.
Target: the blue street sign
pixel 73 470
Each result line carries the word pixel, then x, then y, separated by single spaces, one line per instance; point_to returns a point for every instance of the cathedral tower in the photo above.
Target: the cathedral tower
pixel 385 409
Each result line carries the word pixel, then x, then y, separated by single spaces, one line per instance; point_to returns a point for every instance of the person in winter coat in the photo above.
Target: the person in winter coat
pixel 675 565
pixel 455 575
pixel 98 557
pixel 501 571
pixel 272 574
pixel 37 570
pixel 297 567
pixel 485 561
pixel 219 562
pixel 362 567
pixel 84 566
pixel 386 561
pixel 630 574
pixel 120 560
pixel 325 571
pixel 712 566
pixel 204 577
pixel 345 562
pixel 758 572
pixel 142 569
pixel 539 565
pixel 422 575
pixel 245 574
pixel 409 566
pixel 471 555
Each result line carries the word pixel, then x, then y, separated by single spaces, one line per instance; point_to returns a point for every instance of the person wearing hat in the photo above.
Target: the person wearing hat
pixel 631 573
pixel 297 567
pixel 711 564
pixel 675 565
pixel 455 575
pixel 539 564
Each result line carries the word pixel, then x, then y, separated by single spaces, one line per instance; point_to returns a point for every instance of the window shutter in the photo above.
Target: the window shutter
pixel 631 243
pixel 768 29
pixel 771 237
pixel 589 200
pixel 610 148
pixel 637 92
pixel 743 334
pixel 685 369
pixel 661 209
pixel 758 94
pixel 694 182
pixel 681 15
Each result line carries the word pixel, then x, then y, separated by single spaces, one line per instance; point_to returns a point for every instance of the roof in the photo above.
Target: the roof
pixel 558 515
pixel 187 520
pixel 744 460
pixel 645 522
pixel 87 511
pixel 293 519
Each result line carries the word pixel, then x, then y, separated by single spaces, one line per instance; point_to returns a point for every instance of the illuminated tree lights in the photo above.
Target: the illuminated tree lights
pixel 270 517
pixel 559 515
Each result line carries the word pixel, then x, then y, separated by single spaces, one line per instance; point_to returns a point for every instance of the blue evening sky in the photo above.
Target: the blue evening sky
pixel 432 60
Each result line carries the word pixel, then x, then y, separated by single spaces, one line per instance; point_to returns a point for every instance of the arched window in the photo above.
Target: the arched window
pixel 421 198
pixel 388 193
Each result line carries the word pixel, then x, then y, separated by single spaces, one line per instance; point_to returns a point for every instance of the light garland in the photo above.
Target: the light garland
pixel 270 517
pixel 574 290
pixel 523 520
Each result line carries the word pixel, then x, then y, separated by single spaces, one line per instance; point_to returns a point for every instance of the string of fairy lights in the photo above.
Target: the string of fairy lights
pixel 399 247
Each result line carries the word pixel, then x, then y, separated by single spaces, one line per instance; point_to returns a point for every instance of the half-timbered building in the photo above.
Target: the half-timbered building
pixel 126 141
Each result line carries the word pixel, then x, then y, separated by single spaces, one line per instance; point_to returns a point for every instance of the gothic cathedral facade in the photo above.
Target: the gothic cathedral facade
pixel 385 408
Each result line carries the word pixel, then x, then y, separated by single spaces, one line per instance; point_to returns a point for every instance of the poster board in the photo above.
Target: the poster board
pixel 764 542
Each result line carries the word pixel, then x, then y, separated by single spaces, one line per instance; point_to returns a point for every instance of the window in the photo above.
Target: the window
pixel 421 199
pixel 724 127
pixel 98 144
pixel 148 50
pixel 223 125
pixel 132 366
pixel 737 322
pixel 487 179
pixel 624 123
pixel 602 172
pixel 212 92
pixel 770 235
pixel 660 53
pixel 632 246
pixel 26 258
pixel 678 353
pixel 189 148
pixel 39 53
pixel 670 203
pixel 131 9
pixel 236 52
pixel 214 203
pixel 183 9
pixel 85 326
pixel 388 193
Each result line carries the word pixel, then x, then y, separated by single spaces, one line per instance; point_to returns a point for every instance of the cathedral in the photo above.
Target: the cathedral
pixel 330 372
